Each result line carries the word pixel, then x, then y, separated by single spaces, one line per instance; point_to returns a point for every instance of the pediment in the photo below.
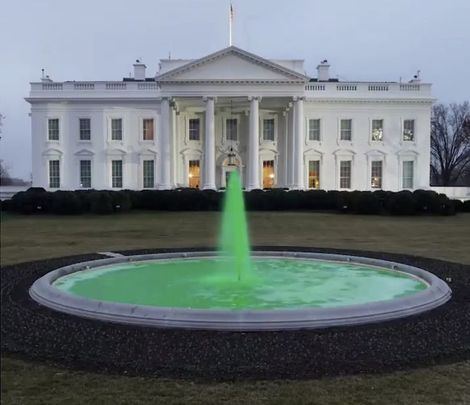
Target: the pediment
pixel 52 152
pixel 84 152
pixel 234 65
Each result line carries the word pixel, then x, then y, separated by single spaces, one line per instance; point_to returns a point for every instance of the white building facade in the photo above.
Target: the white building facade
pixel 198 120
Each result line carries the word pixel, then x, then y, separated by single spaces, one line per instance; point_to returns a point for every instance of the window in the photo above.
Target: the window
pixel 194 129
pixel 345 174
pixel 408 174
pixel 314 174
pixel 85 173
pixel 116 129
pixel 314 130
pixel 116 173
pixel 53 128
pixel 149 173
pixel 268 129
pixel 54 173
pixel 377 130
pixel 268 173
pixel 148 129
pixel 194 173
pixel 376 174
pixel 85 129
pixel 231 129
pixel 346 130
pixel 409 130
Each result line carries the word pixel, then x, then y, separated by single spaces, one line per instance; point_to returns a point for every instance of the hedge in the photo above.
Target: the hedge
pixel 419 202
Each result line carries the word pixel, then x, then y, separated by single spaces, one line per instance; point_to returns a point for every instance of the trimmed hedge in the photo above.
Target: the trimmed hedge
pixel 419 202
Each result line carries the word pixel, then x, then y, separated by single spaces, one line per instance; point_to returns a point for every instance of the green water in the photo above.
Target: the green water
pixel 205 283
pixel 235 281
pixel 234 242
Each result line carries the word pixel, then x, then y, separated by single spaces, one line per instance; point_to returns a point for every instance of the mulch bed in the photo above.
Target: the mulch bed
pixel 35 332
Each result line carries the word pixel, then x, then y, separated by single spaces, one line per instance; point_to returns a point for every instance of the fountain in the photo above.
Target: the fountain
pixel 230 289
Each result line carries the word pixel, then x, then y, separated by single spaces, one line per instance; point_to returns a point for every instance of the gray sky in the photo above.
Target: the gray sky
pixel 100 39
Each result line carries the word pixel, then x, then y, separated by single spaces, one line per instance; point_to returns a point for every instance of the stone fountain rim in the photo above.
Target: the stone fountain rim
pixel 438 293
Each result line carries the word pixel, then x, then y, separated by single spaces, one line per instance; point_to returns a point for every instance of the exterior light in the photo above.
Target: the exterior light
pixel 231 157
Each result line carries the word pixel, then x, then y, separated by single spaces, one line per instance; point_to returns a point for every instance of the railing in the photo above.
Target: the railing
pixel 84 86
pixel 90 89
pixel 52 86
pixel 364 89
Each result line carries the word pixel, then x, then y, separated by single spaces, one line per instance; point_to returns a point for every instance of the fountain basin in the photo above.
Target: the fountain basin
pixel 423 291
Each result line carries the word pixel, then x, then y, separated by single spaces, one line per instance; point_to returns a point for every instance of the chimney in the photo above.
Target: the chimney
pixel 323 71
pixel 139 70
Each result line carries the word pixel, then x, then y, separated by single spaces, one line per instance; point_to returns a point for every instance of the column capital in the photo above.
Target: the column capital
pixel 258 98
pixel 207 98
pixel 298 98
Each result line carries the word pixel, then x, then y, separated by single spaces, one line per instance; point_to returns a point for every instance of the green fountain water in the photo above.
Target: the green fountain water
pixel 234 243
pixel 233 280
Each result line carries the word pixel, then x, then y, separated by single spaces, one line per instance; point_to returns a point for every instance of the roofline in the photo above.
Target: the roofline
pixel 226 50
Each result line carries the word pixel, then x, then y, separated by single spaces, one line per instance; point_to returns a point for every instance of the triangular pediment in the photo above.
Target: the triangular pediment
pixel 232 64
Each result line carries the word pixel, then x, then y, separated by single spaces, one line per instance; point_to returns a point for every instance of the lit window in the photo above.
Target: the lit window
pixel 268 129
pixel 194 173
pixel 346 130
pixel 149 173
pixel 409 130
pixel 376 174
pixel 85 129
pixel 231 129
pixel 268 173
pixel 377 130
pixel 116 129
pixel 53 127
pixel 194 129
pixel 408 174
pixel 148 129
pixel 85 173
pixel 116 173
pixel 345 174
pixel 314 130
pixel 54 173
pixel 314 174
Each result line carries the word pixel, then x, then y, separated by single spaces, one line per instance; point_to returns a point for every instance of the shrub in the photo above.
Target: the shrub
pixel 458 205
pixel 66 203
pixel 101 203
pixel 426 201
pixel 366 202
pixel 466 206
pixel 401 203
pixel 32 201
pixel 121 201
pixel 444 205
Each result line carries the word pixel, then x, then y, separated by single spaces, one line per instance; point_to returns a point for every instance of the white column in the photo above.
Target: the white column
pixel 164 145
pixel 290 146
pixel 253 146
pixel 208 177
pixel 298 144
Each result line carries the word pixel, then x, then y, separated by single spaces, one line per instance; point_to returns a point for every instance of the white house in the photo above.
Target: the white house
pixel 196 120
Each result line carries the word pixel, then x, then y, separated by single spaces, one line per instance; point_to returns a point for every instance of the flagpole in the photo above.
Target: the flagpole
pixel 230 16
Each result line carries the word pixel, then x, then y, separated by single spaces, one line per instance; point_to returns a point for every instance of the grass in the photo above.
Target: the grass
pixel 28 238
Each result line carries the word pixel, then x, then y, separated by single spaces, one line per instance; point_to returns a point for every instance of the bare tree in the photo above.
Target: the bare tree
pixel 450 143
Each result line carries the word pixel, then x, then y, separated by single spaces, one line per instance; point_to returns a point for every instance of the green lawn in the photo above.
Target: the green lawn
pixel 27 238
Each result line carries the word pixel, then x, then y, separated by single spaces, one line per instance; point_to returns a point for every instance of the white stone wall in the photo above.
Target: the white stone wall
pixel 133 150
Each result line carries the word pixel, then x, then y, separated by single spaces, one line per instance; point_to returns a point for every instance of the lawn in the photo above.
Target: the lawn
pixel 26 238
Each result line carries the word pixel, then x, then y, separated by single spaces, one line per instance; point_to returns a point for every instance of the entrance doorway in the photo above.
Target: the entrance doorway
pixel 268 173
pixel 194 174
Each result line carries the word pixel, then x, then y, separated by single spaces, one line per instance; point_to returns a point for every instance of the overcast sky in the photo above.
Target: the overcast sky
pixel 100 39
